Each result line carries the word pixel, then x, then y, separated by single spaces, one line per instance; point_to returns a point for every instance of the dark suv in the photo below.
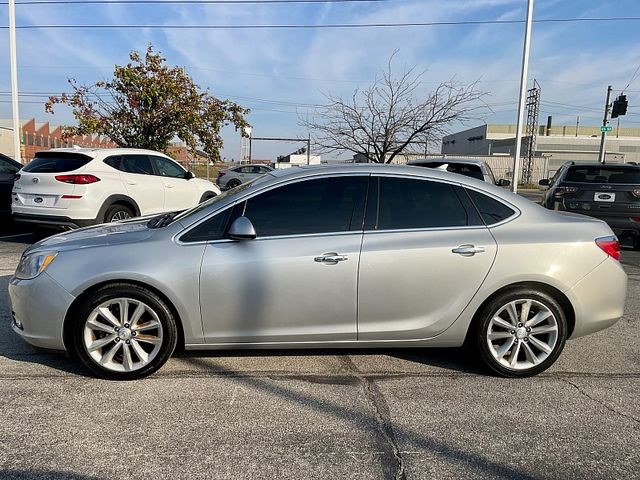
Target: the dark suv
pixel 609 192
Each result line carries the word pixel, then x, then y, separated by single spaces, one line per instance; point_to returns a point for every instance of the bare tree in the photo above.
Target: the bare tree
pixel 382 120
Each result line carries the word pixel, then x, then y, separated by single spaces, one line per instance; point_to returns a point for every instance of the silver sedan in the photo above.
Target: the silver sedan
pixel 343 256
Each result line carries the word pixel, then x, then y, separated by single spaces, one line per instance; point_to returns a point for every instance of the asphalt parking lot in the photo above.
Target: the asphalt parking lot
pixel 323 414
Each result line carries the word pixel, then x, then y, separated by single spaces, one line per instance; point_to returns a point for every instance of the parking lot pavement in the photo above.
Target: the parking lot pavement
pixel 323 414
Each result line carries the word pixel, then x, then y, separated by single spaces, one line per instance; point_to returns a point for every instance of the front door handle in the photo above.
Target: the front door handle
pixel 330 258
pixel 467 250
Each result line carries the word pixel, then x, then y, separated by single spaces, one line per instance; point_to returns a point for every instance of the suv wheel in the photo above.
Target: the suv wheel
pixel 123 332
pixel 520 333
pixel 117 212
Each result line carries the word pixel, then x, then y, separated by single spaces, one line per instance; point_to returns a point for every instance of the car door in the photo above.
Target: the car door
pixel 179 192
pixel 8 172
pixel 141 184
pixel 295 282
pixel 425 254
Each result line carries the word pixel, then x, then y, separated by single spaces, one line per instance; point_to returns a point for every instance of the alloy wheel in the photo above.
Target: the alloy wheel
pixel 522 334
pixel 120 215
pixel 122 334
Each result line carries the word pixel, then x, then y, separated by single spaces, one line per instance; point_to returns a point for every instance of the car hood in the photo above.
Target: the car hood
pixel 99 235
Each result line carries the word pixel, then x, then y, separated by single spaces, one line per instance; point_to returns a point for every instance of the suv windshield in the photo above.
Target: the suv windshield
pixel 603 174
pixel 54 162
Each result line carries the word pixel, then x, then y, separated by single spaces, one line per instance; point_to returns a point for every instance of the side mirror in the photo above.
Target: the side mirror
pixel 503 182
pixel 242 229
pixel 189 175
pixel 544 182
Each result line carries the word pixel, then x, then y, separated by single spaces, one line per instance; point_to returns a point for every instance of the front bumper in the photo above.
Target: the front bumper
pixel 599 298
pixel 39 307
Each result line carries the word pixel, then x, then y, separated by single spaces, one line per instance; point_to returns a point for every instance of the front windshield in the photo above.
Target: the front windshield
pixel 220 197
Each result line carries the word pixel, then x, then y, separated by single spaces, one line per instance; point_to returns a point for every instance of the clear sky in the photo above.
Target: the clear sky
pixel 279 73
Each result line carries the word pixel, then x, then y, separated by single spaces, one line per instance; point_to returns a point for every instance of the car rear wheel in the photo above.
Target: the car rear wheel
pixel 233 183
pixel 521 333
pixel 124 332
pixel 116 213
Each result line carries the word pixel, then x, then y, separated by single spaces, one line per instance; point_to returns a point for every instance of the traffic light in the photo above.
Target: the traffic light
pixel 619 106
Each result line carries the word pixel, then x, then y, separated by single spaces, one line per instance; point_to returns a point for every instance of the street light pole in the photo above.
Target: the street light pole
pixel 605 121
pixel 14 81
pixel 523 94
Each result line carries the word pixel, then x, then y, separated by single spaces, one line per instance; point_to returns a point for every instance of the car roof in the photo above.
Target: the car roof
pixel 598 164
pixel 95 152
pixel 447 159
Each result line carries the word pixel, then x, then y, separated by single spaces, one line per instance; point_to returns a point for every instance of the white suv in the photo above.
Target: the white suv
pixel 75 187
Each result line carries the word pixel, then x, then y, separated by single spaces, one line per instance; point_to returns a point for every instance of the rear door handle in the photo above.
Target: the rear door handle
pixel 129 182
pixel 330 258
pixel 467 250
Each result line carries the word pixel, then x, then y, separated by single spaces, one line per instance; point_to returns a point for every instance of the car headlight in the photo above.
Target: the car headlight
pixel 33 264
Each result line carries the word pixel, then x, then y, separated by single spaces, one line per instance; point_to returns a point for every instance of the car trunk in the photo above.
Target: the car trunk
pixel 37 185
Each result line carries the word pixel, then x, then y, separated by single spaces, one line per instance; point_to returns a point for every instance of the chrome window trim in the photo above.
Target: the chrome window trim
pixel 267 188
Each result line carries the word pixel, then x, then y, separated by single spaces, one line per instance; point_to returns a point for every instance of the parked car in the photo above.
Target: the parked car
pixel 471 168
pixel 8 169
pixel 610 192
pixel 232 177
pixel 332 256
pixel 76 187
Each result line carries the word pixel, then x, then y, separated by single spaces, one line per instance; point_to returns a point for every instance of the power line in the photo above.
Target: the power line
pixel 186 2
pixel 323 26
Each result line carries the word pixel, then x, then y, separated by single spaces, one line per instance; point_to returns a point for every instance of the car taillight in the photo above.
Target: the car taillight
pixel 564 190
pixel 610 246
pixel 77 179
pixel 221 174
pixel 635 219
pixel 636 192
pixel 17 177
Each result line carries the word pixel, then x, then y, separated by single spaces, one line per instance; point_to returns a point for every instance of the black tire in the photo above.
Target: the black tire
pixel 169 333
pixel 112 213
pixel 233 183
pixel 207 196
pixel 479 335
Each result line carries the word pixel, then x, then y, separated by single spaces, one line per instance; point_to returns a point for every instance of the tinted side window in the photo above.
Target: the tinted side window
pixel 211 229
pixel 409 203
pixel 114 162
pixel 136 164
pixel 312 206
pixel 7 167
pixel 492 211
pixel 167 168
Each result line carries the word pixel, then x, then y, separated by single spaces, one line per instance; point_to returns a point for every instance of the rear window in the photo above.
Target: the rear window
pixel 56 163
pixel 603 174
pixel 492 211
pixel 468 170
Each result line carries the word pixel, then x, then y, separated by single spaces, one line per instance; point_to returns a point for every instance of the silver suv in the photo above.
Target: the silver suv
pixel 235 176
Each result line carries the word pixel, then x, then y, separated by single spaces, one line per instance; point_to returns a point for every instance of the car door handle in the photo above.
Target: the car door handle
pixel 129 182
pixel 330 258
pixel 467 250
pixel 168 185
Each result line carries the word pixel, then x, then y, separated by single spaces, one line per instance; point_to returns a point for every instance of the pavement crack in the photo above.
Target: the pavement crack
pixel 382 415
pixel 583 392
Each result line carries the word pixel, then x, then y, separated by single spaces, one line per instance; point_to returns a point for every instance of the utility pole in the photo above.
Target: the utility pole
pixel 577 124
pixel 605 120
pixel 309 149
pixel 523 93
pixel 14 81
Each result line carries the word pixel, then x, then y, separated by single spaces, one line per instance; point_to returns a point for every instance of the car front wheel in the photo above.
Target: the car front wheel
pixel 521 333
pixel 124 332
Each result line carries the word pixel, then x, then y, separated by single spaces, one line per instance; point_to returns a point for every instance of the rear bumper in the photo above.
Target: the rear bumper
pixel 53 220
pixel 599 298
pixel 38 308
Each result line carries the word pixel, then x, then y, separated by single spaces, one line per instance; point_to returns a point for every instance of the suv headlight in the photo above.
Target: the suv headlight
pixel 33 264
